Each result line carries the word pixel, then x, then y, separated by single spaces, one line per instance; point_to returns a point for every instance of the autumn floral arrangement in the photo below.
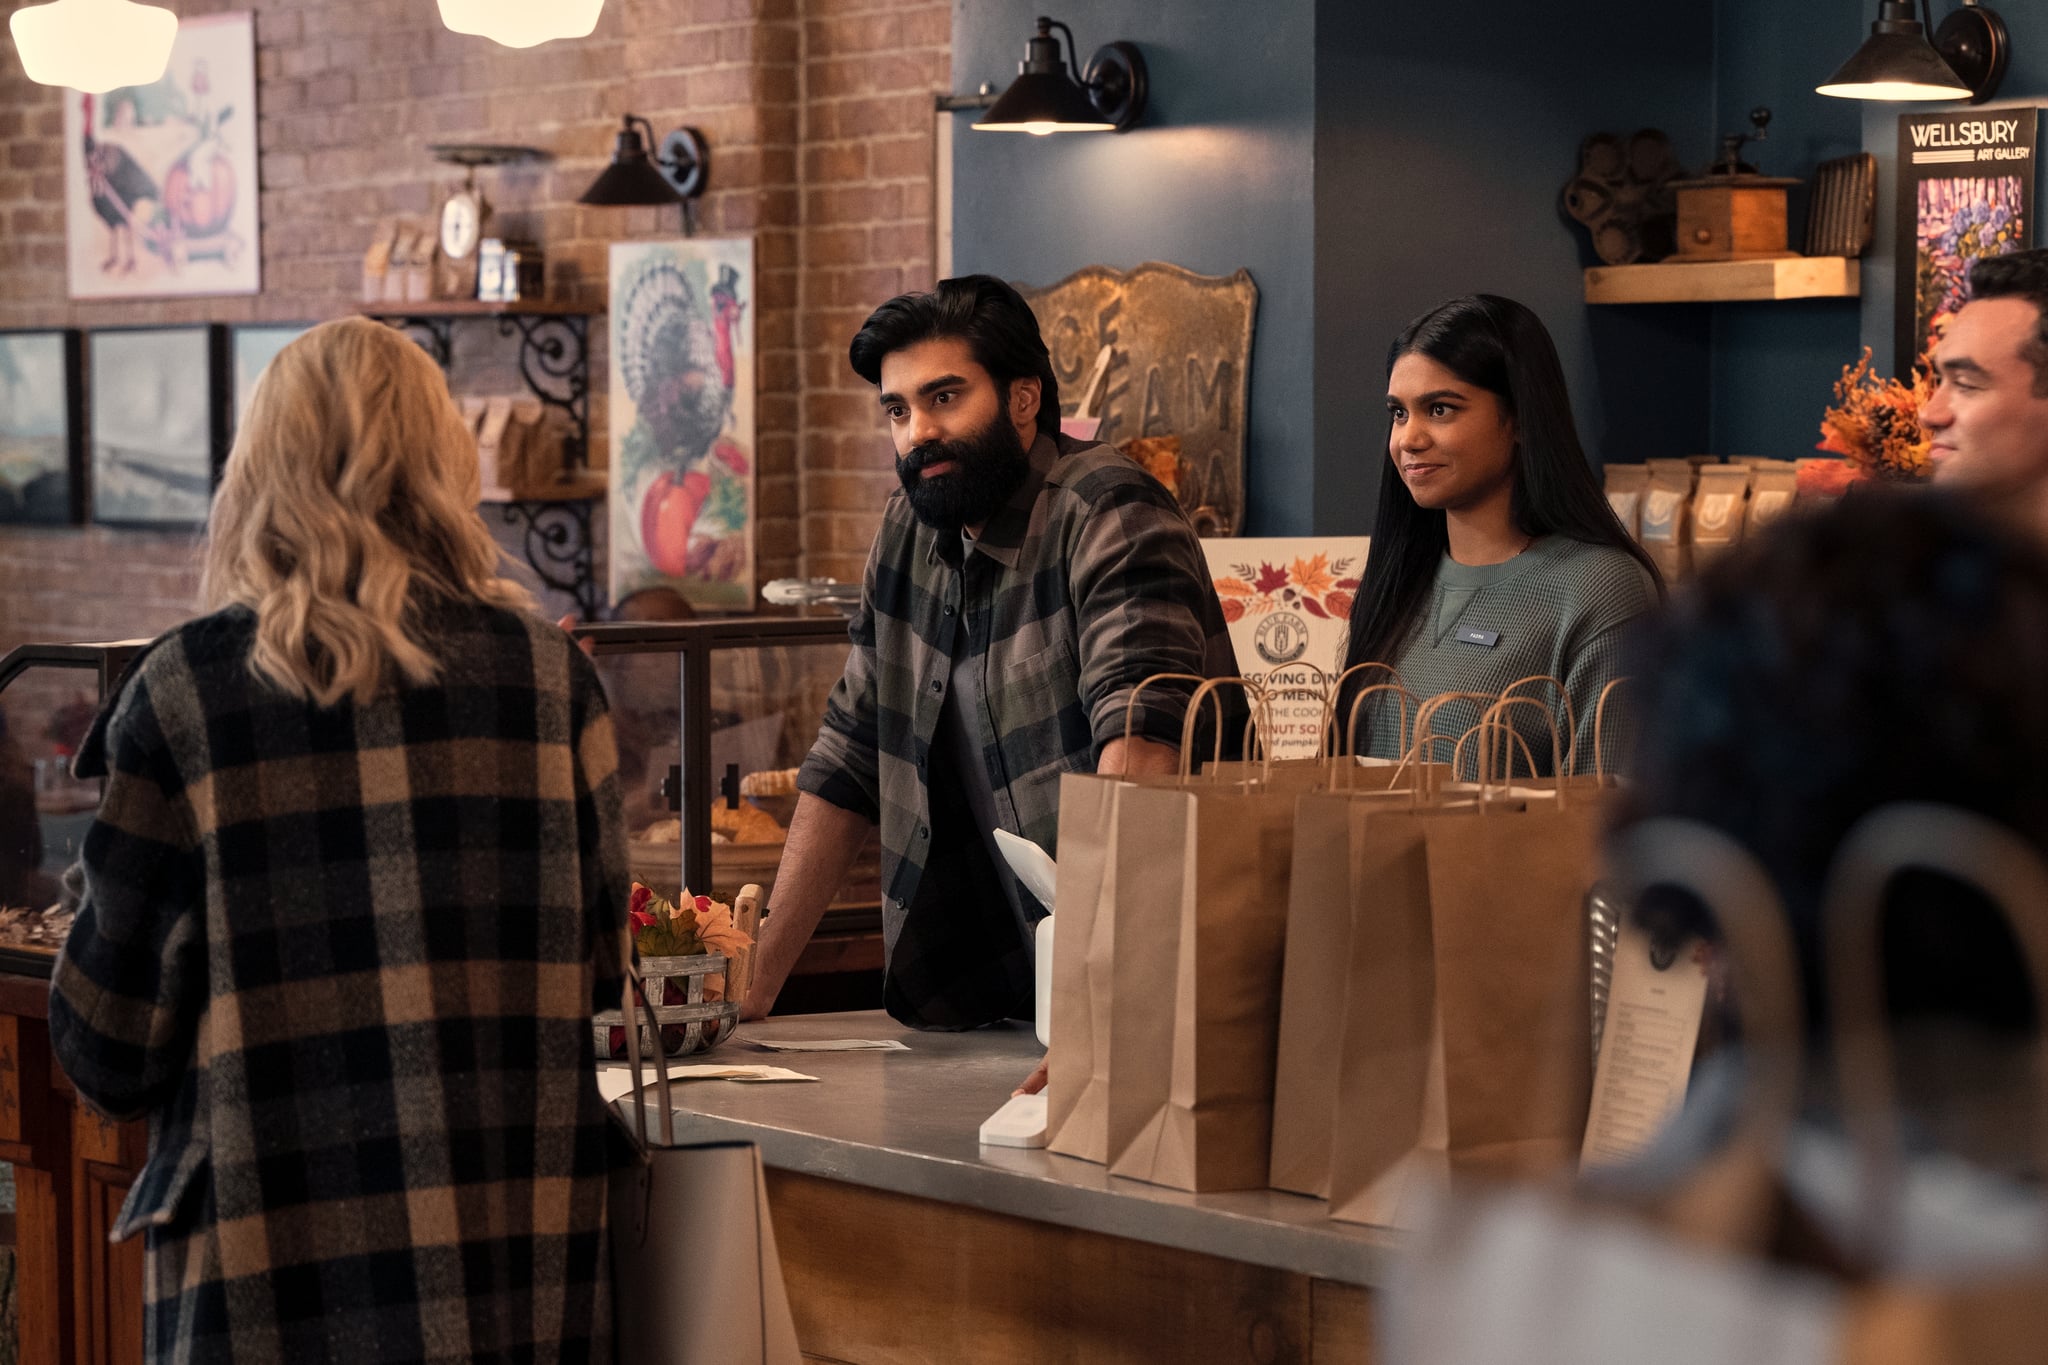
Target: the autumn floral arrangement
pixel 690 926
pixel 1315 586
pixel 1875 426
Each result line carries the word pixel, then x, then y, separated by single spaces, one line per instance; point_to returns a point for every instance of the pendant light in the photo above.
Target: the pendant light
pixel 521 23
pixel 1965 61
pixel 94 45
pixel 1051 96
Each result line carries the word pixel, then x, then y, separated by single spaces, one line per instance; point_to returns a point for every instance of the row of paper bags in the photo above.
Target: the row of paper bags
pixel 1339 980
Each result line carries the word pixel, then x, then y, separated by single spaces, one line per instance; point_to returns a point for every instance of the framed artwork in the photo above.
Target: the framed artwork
pixel 154 423
pixel 160 180
pixel 1966 191
pixel 683 420
pixel 42 428
pixel 251 349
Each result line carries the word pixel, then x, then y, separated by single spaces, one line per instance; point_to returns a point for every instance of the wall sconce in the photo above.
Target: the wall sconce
pixel 521 23
pixel 674 175
pixel 1051 96
pixel 94 45
pixel 1966 60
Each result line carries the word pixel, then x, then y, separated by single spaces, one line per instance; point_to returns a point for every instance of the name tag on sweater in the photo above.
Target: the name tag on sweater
pixel 1485 638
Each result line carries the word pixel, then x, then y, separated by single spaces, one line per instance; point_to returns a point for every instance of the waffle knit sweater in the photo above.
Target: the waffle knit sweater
pixel 1559 609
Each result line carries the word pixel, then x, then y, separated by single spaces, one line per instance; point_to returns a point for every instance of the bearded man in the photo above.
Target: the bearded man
pixel 1022 585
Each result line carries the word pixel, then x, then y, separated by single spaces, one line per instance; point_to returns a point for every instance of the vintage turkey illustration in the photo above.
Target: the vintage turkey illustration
pixel 683 469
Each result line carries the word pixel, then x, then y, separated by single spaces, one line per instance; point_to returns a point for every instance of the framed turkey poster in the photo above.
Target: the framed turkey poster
pixel 160 180
pixel 683 420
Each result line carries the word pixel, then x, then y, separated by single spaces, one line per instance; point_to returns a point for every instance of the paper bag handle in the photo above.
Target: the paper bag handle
pixel 1211 687
pixel 1425 717
pixel 1349 739
pixel 632 987
pixel 1494 720
pixel 1564 701
pixel 1482 733
pixel 1350 745
pixel 1600 773
pixel 1906 836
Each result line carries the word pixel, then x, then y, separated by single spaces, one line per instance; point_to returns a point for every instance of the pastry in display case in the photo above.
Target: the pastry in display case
pixel 713 718
pixel 49 695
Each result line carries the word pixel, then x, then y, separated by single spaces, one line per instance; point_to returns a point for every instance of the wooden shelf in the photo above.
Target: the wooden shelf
pixel 1784 277
pixel 587 486
pixel 475 308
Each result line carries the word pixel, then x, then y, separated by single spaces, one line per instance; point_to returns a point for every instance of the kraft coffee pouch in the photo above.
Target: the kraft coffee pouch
pixel 1625 486
pixel 1773 486
pixel 1666 530
pixel 1718 511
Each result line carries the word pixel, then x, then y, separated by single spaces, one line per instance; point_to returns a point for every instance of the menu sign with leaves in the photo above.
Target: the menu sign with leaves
pixel 1288 602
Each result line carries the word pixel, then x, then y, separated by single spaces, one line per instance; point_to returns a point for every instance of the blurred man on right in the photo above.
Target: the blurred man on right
pixel 1988 416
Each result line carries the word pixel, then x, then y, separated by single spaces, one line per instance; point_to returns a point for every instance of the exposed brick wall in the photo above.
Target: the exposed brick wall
pixel 818 113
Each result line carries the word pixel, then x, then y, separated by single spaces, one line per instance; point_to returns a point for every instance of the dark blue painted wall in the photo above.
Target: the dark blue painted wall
pixel 1774 365
pixel 1444 135
pixel 1221 176
pixel 1366 160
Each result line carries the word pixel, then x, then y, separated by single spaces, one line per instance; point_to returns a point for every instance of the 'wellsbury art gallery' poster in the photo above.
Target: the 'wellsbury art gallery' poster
pixel 1966 191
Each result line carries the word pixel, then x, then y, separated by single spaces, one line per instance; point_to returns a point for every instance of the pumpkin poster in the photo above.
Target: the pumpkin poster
pixel 682 420
pixel 160 180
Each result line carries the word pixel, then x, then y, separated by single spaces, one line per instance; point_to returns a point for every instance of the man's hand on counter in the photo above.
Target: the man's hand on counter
pixel 1035 1082
pixel 823 839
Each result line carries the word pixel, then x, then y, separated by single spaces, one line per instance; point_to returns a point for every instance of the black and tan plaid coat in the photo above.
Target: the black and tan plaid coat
pixel 1089 581
pixel 344 960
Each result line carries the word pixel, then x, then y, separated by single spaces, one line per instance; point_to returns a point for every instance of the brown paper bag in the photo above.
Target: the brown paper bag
pixel 1077 1070
pixel 1201 880
pixel 1329 887
pixel 1467 1041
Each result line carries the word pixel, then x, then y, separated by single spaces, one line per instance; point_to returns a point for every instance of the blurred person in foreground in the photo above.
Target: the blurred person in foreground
pixel 1892 648
pixel 355 888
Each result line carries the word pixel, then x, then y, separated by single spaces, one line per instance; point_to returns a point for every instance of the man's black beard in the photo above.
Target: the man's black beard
pixel 991 465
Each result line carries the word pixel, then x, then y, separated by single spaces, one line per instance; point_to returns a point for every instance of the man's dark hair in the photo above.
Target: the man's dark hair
pixel 2020 275
pixel 986 313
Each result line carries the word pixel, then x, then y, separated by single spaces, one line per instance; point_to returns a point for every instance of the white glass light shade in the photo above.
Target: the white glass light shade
pixel 522 23
pixel 94 45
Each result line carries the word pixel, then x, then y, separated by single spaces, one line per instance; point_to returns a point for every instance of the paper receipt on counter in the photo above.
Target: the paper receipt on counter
pixel 615 1081
pixel 1646 1048
pixel 827 1045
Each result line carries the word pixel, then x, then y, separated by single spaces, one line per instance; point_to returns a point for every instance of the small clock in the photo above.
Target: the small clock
pixel 464 216
pixel 462 223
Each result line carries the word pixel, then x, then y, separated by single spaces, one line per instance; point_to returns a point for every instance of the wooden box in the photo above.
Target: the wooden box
pixel 1732 218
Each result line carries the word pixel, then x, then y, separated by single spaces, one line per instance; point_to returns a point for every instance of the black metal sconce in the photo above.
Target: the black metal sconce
pixel 1965 60
pixel 1052 95
pixel 674 175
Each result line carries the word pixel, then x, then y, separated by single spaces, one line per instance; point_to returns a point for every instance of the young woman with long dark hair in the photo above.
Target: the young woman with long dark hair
pixel 1495 556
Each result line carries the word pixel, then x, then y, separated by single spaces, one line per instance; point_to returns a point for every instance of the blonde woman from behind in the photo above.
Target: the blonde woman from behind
pixel 356 885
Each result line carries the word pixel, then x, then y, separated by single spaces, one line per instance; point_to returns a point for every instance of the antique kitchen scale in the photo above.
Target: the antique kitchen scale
pixel 463 222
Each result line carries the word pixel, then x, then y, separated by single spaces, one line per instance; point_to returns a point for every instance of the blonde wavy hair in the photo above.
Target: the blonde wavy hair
pixel 350 491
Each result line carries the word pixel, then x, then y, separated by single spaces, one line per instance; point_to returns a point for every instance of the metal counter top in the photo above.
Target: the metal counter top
pixel 907 1122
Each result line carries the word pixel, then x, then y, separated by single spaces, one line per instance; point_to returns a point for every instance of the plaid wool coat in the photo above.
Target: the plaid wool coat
pixel 344 960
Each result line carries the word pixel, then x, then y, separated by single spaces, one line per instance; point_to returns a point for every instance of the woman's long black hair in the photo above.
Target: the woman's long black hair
pixel 1502 347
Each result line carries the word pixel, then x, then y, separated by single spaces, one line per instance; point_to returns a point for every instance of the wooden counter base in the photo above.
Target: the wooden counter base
pixel 878 1278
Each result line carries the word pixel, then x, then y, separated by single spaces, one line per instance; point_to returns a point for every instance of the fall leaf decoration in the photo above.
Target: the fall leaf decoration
pixel 662 930
pixel 1315 586
pixel 1875 424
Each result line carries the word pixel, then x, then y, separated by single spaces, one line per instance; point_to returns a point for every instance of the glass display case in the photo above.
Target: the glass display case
pixel 49 695
pixel 713 719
